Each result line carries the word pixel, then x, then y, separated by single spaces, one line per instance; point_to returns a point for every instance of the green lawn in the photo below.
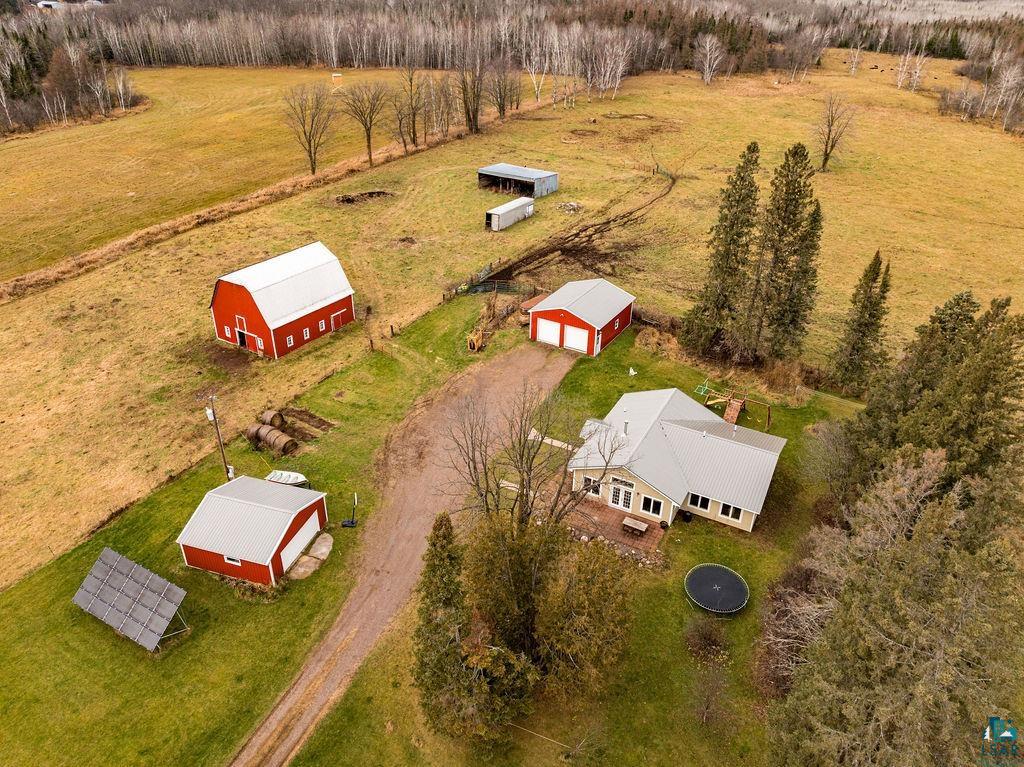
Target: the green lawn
pixel 74 693
pixel 644 716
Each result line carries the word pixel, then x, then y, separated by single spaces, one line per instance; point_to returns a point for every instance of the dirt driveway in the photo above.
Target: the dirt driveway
pixel 417 486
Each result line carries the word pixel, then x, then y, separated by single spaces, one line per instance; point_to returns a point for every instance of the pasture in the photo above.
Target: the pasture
pixel 103 397
pixel 207 135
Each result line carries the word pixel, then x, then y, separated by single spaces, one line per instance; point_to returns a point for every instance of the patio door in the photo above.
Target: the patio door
pixel 621 495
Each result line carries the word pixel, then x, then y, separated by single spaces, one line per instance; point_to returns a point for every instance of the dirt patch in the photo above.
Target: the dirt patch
pixel 311 419
pixel 630 116
pixel 418 483
pixel 583 132
pixel 355 199
pixel 230 359
pixel 406 241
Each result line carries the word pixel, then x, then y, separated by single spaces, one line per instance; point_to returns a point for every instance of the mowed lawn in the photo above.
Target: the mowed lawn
pixel 74 693
pixel 647 714
pixel 207 135
pixel 102 396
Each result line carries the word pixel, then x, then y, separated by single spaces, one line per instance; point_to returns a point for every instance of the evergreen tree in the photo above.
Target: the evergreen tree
pixel 468 687
pixel 785 267
pixel 790 307
pixel 713 319
pixel 443 616
pixel 903 674
pixel 860 352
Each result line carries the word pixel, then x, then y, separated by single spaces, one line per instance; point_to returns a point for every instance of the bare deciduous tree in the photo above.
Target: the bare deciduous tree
pixel 708 54
pixel 365 103
pixel 917 70
pixel 471 74
pixel 855 57
pixel 502 87
pixel 309 112
pixel 835 122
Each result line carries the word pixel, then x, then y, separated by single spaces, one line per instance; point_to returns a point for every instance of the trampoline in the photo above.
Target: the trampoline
pixel 717 589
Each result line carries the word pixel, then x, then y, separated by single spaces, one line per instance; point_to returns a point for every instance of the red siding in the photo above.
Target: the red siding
pixel 320 509
pixel 609 331
pixel 207 560
pixel 230 300
pixel 563 317
pixel 312 321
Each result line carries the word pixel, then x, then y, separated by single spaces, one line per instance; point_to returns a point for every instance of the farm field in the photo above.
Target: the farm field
pixel 77 694
pixel 206 136
pixel 102 402
pixel 641 719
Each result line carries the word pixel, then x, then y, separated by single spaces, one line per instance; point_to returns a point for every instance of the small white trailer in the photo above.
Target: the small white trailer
pixel 505 215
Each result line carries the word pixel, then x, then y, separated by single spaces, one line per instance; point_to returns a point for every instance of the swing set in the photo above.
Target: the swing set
pixel 734 402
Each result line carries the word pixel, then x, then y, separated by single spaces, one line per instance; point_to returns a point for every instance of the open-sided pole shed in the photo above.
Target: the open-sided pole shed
pixel 516 179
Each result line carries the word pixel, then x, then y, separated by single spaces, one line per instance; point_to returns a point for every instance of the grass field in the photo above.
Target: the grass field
pixel 77 694
pixel 102 401
pixel 206 136
pixel 644 718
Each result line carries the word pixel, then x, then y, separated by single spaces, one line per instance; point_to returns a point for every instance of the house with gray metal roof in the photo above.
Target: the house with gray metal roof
pixel 515 179
pixel 583 315
pixel 671 454
pixel 252 529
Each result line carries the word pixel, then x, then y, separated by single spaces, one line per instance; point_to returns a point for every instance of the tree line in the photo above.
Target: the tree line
pixel 52 80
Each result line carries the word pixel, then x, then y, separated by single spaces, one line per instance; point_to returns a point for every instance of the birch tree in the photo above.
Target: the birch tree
pixel 708 54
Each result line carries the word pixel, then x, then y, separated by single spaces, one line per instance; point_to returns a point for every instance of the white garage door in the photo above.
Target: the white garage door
pixel 298 544
pixel 576 339
pixel 548 331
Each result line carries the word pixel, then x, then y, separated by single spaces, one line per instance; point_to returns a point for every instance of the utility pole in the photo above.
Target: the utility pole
pixel 211 414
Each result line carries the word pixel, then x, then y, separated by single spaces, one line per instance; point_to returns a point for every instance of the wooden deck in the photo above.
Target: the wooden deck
pixel 593 518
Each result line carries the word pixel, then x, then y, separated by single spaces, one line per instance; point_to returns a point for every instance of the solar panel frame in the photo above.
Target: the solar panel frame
pixel 134 601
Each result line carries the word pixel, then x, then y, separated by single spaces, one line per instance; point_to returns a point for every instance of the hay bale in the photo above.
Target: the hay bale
pixel 272 418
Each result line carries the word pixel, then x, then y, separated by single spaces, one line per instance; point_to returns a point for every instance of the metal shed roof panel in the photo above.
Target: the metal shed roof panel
pixel 596 302
pixel 295 283
pixel 515 204
pixel 518 172
pixel 245 518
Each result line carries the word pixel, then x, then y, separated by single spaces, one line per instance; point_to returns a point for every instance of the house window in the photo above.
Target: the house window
pixel 259 343
pixel 651 505
pixel 232 560
pixel 621 495
pixel 732 512
pixel 699 501
pixel 592 486
pixel 616 323
pixel 290 340
pixel 305 334
pixel 227 332
pixel 323 325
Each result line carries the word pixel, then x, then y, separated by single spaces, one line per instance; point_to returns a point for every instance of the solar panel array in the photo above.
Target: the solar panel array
pixel 132 600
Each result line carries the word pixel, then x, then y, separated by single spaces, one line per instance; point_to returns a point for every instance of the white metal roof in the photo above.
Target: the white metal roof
pixel 513 205
pixel 596 302
pixel 678 446
pixel 517 172
pixel 245 518
pixel 293 284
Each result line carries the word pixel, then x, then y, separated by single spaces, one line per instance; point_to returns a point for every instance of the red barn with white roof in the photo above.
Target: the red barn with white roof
pixel 276 306
pixel 252 529
pixel 584 316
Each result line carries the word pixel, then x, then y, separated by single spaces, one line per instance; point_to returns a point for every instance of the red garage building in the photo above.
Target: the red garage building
pixel 280 304
pixel 584 316
pixel 252 529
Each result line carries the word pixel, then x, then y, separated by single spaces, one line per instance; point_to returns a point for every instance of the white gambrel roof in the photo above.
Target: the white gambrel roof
pixel 678 446
pixel 294 284
pixel 246 518
pixel 596 302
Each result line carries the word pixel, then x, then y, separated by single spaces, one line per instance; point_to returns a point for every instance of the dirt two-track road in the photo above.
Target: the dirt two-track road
pixel 417 485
